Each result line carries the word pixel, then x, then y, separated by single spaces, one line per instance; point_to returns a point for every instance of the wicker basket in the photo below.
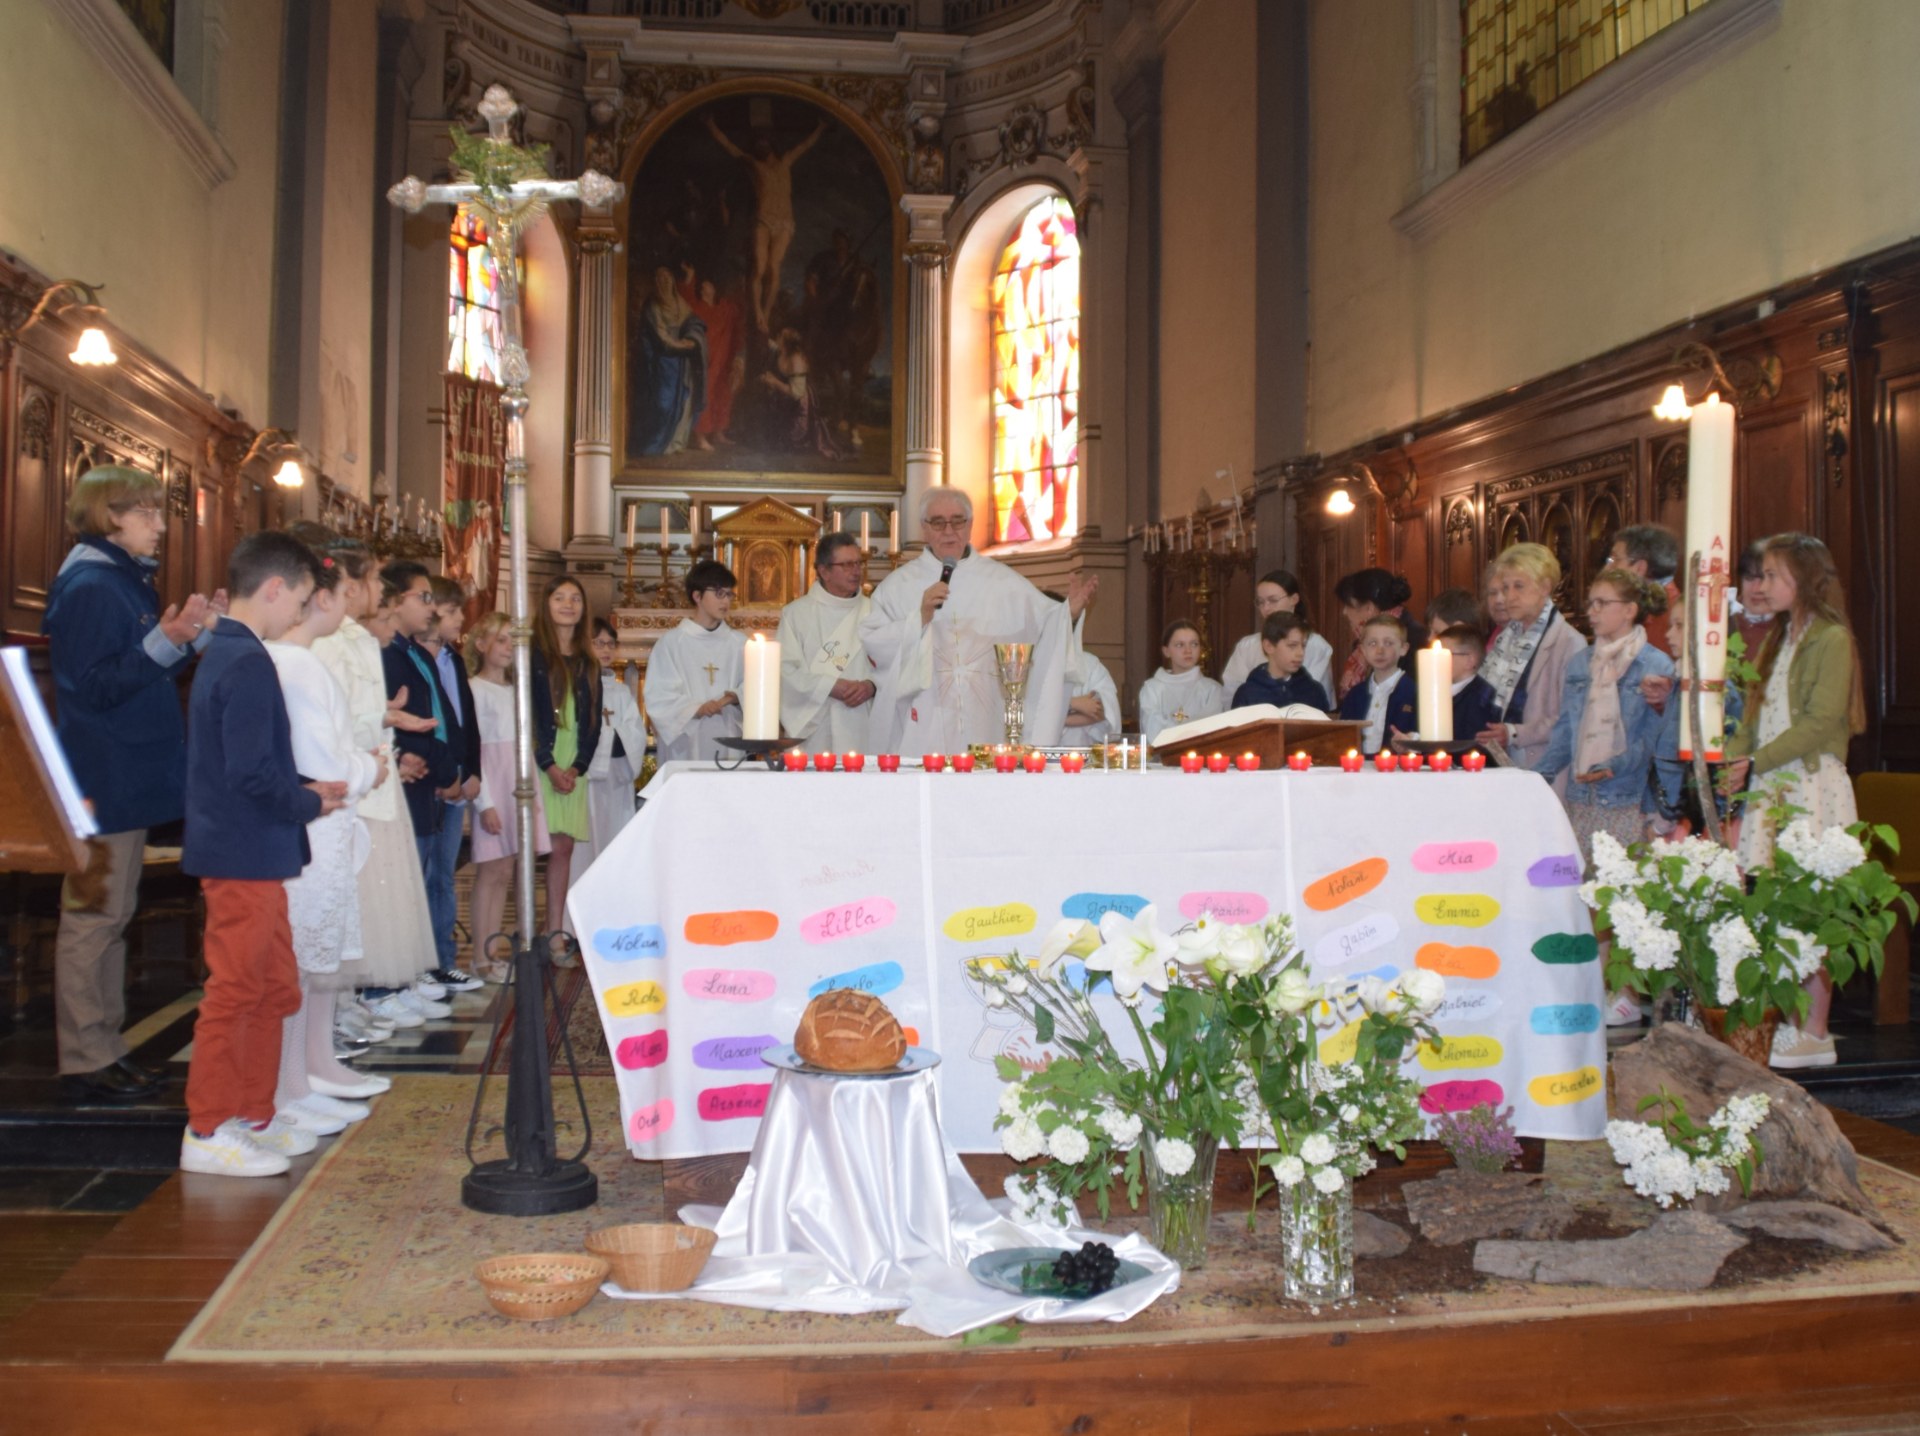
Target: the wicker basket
pixel 653 1256
pixel 538 1286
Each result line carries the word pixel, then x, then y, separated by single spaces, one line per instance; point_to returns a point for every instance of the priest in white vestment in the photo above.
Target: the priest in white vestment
pixel 696 671
pixel 826 682
pixel 931 643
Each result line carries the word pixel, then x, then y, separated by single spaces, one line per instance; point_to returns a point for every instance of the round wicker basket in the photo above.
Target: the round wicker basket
pixel 538 1286
pixel 653 1256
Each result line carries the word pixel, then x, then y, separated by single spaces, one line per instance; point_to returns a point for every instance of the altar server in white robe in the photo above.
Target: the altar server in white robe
pixel 1277 592
pixel 1180 692
pixel 696 671
pixel 1093 700
pixel 826 682
pixel 931 640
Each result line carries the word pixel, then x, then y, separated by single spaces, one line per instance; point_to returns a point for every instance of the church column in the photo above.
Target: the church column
pixel 593 391
pixel 927 251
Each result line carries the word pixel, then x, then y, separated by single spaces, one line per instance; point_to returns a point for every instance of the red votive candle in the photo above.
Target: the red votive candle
pixel 1036 762
pixel 933 762
pixel 854 762
pixel 963 762
pixel 1248 763
pixel 1298 762
pixel 889 762
pixel 1350 761
pixel 1385 762
pixel 1474 761
pixel 1190 763
pixel 1217 763
pixel 1441 762
pixel 795 760
pixel 1073 762
pixel 1410 762
pixel 823 762
pixel 1005 762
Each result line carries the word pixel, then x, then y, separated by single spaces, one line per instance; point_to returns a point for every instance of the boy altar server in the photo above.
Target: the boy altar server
pixel 695 672
pixel 826 682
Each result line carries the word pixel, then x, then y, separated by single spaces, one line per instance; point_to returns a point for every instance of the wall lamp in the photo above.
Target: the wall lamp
pixel 58 298
pixel 271 443
pixel 1743 378
pixel 1357 481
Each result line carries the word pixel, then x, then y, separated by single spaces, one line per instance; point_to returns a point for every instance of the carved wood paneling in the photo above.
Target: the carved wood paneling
pixel 1774 490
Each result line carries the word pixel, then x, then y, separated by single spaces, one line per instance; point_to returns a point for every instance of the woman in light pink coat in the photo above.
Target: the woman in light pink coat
pixel 1527 664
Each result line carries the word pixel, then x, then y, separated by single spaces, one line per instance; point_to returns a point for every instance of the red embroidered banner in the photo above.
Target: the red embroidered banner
pixel 476 457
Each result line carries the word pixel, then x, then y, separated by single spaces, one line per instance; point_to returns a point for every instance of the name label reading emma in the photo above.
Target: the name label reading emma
pixel 1456 909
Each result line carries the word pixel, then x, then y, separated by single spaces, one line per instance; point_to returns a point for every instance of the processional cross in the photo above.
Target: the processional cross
pixel 509 186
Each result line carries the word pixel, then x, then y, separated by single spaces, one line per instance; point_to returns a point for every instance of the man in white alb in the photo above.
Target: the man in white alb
pixel 696 671
pixel 930 638
pixel 826 683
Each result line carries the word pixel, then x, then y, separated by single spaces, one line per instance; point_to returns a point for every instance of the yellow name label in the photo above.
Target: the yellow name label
pixel 977 924
pixel 1342 1046
pixel 1456 909
pixel 1557 1089
pixel 1460 1052
pixel 635 999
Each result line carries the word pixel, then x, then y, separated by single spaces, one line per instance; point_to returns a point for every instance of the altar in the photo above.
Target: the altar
pixel 734 897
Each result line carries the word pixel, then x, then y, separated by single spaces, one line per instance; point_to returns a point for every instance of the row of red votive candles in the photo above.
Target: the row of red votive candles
pixel 1386 762
pixel 1190 762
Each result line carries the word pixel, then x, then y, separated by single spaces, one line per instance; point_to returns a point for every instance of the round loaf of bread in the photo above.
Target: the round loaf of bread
pixel 849 1031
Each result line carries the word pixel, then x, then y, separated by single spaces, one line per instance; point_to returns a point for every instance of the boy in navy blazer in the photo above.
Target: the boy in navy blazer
pixel 1387 701
pixel 246 833
pixel 1475 705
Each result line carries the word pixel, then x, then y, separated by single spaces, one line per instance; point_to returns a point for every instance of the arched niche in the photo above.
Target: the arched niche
pixel 969 449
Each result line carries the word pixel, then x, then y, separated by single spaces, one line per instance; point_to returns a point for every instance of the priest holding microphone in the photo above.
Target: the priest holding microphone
pixel 930 637
pixel 826 682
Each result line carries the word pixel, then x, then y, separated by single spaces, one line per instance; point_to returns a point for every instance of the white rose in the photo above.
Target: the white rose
pixel 1174 1156
pixel 995 997
pixel 1329 1180
pixel 1317 1150
pixel 1293 992
pixel 1425 990
pixel 1012 1099
pixel 1349 1113
pixel 1023 1140
pixel 1068 1144
pixel 1017 984
pixel 1243 951
pixel 1288 1171
pixel 1199 941
pixel 1122 1128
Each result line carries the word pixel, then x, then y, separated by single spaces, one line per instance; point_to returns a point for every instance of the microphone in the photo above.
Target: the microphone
pixel 946 572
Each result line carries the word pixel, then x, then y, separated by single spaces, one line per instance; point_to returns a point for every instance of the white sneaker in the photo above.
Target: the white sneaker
pixel 316 1123
pixel 426 987
pixel 396 1009
pixel 283 1136
pixel 370 1084
pixel 229 1152
pixel 336 1107
pixel 363 1027
pixel 427 1007
pixel 1794 1048
pixel 1624 1010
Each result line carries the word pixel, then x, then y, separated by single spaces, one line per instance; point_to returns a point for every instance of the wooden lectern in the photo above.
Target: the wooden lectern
pixel 43 828
pixel 1274 740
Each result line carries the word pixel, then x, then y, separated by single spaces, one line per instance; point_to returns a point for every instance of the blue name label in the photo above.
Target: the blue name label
pixel 627 944
pixel 876 978
pixel 1564 1019
pixel 1091 907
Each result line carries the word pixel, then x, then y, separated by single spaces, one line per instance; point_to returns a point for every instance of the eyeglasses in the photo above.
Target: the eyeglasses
pixel 152 512
pixel 952 525
pixel 720 592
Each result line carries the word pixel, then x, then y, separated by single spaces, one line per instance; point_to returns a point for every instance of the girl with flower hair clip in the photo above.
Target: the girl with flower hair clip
pixel 1806 703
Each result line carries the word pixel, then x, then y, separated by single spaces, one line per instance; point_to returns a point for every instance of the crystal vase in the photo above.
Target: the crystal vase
pixel 1179 1206
pixel 1316 1239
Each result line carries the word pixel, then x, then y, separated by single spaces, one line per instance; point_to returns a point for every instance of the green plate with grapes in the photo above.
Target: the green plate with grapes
pixel 1034 1271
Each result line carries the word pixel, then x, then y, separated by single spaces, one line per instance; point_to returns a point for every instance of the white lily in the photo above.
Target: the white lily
pixel 1070 937
pixel 1134 953
pixel 1199 941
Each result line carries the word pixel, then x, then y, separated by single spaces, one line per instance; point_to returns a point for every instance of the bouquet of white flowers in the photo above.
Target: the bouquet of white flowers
pixel 1673 1160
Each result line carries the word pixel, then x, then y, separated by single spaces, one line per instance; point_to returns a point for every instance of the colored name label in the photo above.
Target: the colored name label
pixel 723 929
pixel 646 1049
pixel 876 978
pixel 628 944
pixel 1460 1004
pixel 1565 1018
pixel 1342 1045
pixel 1559 871
pixel 1456 909
pixel 727 984
pixel 732 1054
pixel 635 999
pixel 848 919
pixel 976 924
pixel 723 1104
pixel 1460 1052
pixel 1458 1096
pixel 650 1122
pixel 1091 907
pixel 1455 857
pixel 1566 949
pixel 1450 961
pixel 1227 907
pixel 1336 889
pixel 1347 945
pixel 1558 1089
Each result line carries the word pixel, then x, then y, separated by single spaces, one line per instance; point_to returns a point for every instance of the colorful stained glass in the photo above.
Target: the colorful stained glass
pixel 474 332
pixel 1036 378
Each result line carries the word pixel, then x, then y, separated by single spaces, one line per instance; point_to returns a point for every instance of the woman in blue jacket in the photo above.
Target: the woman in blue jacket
pixel 116 659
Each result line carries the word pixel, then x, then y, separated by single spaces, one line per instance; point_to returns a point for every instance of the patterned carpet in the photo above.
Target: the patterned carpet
pixel 371 1260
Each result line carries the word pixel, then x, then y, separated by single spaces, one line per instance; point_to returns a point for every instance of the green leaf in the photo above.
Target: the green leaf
pixel 991 1336
pixel 1042 1022
pixel 1007 1069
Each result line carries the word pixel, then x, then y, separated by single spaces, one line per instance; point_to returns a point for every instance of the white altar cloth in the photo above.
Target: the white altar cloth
pixel 732 898
pixel 853 1201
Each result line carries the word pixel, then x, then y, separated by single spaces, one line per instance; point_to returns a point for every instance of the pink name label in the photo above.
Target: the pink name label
pixel 648 1049
pixel 650 1122
pixel 1227 907
pixel 848 919
pixel 1458 1096
pixel 1455 857
pixel 728 984
pixel 721 1104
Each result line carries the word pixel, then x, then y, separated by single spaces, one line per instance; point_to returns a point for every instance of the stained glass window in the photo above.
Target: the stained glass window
pixel 1036 378
pixel 474 337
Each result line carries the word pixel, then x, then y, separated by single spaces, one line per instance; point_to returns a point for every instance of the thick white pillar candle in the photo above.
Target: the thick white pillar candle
pixel 632 509
pixel 893 531
pixel 1709 534
pixel 760 695
pixel 663 525
pixel 1433 673
pixel 866 541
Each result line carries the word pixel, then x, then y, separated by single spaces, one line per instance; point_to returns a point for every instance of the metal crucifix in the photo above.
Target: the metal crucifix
pixel 509 186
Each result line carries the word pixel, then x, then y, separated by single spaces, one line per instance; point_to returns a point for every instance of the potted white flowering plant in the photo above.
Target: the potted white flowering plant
pixel 1672 1159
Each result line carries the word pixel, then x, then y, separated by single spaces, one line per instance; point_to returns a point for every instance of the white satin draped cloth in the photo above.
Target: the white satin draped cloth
pixel 853 1201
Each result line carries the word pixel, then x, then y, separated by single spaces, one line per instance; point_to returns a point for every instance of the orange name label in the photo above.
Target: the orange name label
pixel 722 929
pixel 1344 886
pixel 1450 961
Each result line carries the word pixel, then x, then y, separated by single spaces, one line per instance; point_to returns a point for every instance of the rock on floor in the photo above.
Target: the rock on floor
pixel 1681 1251
pixel 1377 1237
pixel 1808 1222
pixel 1458 1206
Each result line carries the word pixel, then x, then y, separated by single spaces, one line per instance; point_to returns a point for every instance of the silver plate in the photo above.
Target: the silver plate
pixel 918 1059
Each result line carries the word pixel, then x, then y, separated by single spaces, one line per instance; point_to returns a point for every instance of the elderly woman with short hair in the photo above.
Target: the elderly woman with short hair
pixel 1527 664
pixel 116 657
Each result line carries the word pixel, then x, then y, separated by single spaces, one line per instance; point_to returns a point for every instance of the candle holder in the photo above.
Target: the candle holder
pixel 1015 661
pixel 766 749
pixel 629 590
pixel 1474 761
pixel 1073 762
pixel 933 762
pixel 666 593
pixel 1351 761
pixel 1217 763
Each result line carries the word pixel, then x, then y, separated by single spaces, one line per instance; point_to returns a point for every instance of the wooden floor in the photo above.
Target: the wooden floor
pixel 92 1303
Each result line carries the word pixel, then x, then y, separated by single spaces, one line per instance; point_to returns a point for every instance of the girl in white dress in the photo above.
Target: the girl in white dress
pixel 610 777
pixel 323 903
pixel 1179 692
pixel 496 827
pixel 1277 592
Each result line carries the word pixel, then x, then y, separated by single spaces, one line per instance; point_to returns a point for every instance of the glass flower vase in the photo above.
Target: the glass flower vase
pixel 1180 1205
pixel 1316 1239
